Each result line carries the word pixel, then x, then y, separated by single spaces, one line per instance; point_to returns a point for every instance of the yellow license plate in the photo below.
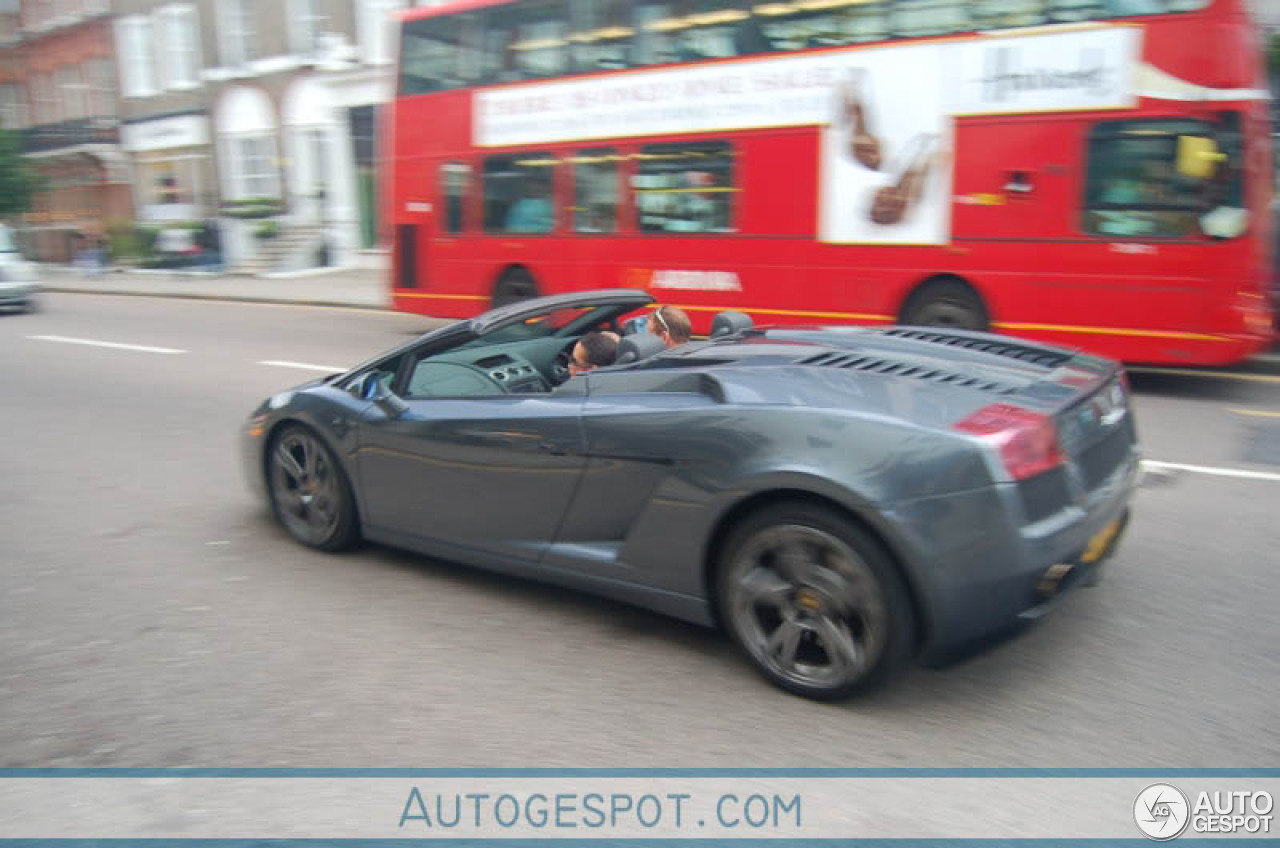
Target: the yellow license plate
pixel 1101 543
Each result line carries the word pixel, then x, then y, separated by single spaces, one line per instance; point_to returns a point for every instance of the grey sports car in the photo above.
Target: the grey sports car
pixel 839 499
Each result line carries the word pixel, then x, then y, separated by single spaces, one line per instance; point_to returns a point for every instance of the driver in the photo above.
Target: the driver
pixel 594 350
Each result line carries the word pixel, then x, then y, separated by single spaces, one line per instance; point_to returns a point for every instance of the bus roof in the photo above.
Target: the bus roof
pixel 449 8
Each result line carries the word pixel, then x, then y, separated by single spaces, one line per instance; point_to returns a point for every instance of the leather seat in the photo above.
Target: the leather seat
pixel 638 346
pixel 730 324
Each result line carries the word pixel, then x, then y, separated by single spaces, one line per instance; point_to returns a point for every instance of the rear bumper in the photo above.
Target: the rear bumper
pixel 978 568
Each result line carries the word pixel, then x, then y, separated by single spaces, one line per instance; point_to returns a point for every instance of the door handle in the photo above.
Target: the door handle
pixel 553 448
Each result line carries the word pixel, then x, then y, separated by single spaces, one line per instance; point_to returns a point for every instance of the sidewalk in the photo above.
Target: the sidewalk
pixel 348 287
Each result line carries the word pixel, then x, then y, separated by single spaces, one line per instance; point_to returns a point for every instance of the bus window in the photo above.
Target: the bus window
pixel 455 183
pixel 529 40
pixel 788 26
pixel 595 191
pixel 691 30
pixel 1134 189
pixel 685 188
pixel 429 56
pixel 1070 11
pixel 518 193
pixel 999 14
pixel 601 35
pixel 931 17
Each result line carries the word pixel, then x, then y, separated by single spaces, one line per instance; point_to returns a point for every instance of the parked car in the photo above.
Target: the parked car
pixel 19 281
pixel 840 500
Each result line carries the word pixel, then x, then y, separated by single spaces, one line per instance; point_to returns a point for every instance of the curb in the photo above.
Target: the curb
pixel 228 298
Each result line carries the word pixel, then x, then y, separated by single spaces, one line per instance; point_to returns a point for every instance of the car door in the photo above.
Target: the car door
pixel 492 475
pixel 447 459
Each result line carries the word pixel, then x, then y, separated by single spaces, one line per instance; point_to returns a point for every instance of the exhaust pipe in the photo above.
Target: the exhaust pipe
pixel 1052 580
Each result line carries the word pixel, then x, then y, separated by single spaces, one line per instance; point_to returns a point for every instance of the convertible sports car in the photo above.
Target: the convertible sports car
pixel 839 499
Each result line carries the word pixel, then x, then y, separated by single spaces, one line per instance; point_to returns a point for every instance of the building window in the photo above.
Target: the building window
pixel 307 22
pixel 254 166
pixel 237 32
pixel 12 107
pixel 74 93
pixel 44 99
pixel 518 193
pixel 179 45
pixel 136 48
pixel 685 188
pixel 377 29
pixel 102 87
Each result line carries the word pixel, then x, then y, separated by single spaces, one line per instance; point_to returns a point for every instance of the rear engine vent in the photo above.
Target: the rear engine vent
pixel 1012 350
pixel 892 368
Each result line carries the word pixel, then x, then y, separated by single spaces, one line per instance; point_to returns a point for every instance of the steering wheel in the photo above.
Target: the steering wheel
pixel 560 366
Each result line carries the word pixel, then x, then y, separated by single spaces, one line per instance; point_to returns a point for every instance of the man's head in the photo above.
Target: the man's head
pixel 672 324
pixel 594 350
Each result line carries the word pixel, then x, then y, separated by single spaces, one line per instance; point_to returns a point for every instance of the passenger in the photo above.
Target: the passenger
pixel 594 350
pixel 672 324
pixel 532 212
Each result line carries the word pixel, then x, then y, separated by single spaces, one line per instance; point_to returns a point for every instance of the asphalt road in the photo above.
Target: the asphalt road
pixel 152 615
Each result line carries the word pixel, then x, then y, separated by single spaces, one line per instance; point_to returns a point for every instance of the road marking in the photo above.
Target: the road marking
pixel 1153 465
pixel 1256 413
pixel 112 345
pixel 303 366
pixel 1217 375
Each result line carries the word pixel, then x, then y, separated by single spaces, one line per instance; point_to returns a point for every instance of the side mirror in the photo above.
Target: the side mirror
pixel 371 387
pixel 1198 157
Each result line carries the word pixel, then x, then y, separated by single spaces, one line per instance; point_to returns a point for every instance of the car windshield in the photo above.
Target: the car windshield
pixel 560 322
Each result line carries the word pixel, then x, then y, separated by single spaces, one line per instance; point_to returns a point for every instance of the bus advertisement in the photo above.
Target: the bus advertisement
pixel 1087 172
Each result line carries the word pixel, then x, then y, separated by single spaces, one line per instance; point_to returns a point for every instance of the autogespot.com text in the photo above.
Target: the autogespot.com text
pixel 561 811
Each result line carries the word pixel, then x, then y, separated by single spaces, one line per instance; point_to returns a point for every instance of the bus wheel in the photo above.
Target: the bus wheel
pixel 946 303
pixel 514 285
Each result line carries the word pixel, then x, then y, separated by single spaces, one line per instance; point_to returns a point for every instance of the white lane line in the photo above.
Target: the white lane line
pixel 112 345
pixel 303 366
pixel 1213 472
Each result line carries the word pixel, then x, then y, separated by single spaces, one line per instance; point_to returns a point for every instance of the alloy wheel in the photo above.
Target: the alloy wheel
pixel 807 607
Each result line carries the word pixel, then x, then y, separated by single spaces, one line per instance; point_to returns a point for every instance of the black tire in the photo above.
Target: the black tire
pixel 949 303
pixel 310 493
pixel 787 611
pixel 515 285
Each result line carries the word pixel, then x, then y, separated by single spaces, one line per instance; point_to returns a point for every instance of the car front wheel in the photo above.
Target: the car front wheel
pixel 310 494
pixel 814 601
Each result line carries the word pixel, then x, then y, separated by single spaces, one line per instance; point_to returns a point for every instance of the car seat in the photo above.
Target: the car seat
pixel 638 346
pixel 730 324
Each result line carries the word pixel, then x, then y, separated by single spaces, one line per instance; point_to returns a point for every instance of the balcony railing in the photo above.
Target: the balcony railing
pixel 46 137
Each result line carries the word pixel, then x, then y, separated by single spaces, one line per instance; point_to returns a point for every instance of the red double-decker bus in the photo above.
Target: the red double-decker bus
pixel 1088 172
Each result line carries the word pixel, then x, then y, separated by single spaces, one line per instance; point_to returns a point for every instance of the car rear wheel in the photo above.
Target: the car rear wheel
pixel 310 493
pixel 815 603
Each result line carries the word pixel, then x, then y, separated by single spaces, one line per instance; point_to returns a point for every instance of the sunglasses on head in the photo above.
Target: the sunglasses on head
pixel 657 313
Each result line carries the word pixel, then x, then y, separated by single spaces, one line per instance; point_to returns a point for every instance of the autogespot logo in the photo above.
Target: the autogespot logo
pixel 1162 812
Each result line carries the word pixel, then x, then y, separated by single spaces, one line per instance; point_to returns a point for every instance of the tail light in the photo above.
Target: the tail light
pixel 1027 441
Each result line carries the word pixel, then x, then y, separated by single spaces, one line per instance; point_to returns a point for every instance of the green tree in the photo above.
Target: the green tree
pixel 1273 52
pixel 18 178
